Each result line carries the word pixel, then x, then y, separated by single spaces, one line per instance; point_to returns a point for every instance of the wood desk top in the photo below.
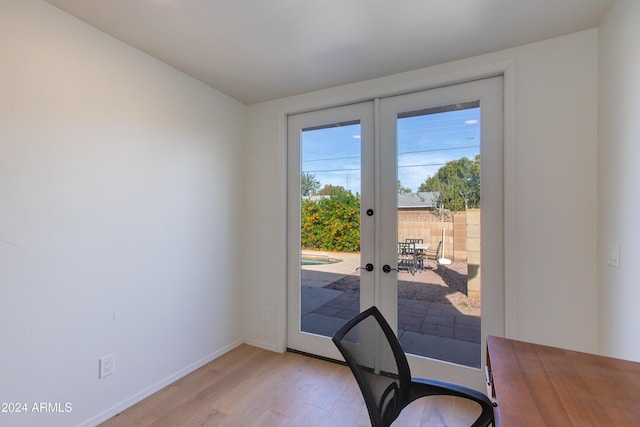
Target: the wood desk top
pixel 536 385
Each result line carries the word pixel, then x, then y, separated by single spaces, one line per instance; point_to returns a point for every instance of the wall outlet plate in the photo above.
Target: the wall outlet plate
pixel 107 366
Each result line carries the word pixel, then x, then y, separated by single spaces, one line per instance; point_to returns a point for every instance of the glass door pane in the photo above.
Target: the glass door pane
pixel 330 226
pixel 438 199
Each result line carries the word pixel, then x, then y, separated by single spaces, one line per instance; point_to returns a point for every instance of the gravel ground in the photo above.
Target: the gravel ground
pixel 444 285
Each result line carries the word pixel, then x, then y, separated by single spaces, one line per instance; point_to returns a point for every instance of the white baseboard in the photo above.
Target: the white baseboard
pixel 114 410
pixel 264 345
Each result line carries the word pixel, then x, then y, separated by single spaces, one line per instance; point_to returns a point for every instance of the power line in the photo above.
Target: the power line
pixel 422 165
pixel 358 169
pixel 331 158
pixel 440 149
pixel 332 170
pixel 405 152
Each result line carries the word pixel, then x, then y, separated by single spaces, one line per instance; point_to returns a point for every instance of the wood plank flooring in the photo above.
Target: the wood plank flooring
pixel 250 386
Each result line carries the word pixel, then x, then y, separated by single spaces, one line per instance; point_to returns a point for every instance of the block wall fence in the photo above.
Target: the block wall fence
pixel 461 241
pixel 462 232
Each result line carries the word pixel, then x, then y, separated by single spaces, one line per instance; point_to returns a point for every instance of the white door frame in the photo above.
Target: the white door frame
pixel 422 80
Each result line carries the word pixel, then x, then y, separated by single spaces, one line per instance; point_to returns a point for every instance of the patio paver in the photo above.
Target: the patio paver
pixel 429 329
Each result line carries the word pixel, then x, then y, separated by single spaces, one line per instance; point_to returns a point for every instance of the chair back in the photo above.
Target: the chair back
pixel 407 259
pixel 435 254
pixel 380 367
pixel 379 364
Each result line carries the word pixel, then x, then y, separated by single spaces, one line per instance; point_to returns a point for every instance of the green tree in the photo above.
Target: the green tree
pixel 331 223
pixel 309 184
pixel 458 184
pixel 333 190
pixel 402 189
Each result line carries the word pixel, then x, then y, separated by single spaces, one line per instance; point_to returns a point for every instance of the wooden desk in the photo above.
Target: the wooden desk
pixel 536 385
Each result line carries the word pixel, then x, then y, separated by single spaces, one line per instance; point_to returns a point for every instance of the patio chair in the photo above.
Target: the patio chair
pixel 380 367
pixel 407 257
pixel 434 253
pixel 420 253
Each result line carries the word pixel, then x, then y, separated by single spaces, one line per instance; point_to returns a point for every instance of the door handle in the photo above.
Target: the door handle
pixel 388 269
pixel 368 267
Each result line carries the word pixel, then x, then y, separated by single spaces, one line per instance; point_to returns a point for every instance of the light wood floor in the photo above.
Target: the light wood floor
pixel 254 387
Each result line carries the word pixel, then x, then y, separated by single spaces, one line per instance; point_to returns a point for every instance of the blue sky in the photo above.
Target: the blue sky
pixel 425 143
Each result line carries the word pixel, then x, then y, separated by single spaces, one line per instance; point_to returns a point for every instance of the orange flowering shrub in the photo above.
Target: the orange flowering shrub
pixel 331 223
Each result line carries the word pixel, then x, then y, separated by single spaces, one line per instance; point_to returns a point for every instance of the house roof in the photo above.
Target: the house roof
pixel 424 200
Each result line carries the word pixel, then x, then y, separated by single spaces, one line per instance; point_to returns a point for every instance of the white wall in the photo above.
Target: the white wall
pixel 552 127
pixel 618 188
pixel 119 225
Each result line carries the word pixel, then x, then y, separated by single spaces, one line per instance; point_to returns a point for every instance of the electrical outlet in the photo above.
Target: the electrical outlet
pixel 265 314
pixel 107 365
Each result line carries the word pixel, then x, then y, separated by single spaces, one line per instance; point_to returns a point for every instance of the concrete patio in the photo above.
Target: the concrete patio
pixel 430 329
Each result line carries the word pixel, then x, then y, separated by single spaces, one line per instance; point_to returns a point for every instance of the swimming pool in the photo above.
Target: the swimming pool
pixel 318 260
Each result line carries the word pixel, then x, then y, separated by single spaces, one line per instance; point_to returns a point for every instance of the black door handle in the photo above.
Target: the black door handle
pixel 368 267
pixel 388 269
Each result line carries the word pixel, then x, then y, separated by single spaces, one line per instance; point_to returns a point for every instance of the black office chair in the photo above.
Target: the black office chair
pixel 380 366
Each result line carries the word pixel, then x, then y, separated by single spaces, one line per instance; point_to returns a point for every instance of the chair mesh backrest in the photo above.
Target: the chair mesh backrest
pixel 367 349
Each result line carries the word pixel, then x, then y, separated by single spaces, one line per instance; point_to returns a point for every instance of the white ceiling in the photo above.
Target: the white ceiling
pixel 256 50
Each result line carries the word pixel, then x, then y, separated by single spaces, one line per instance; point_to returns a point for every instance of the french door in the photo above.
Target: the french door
pixel 331 179
pixel 397 202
